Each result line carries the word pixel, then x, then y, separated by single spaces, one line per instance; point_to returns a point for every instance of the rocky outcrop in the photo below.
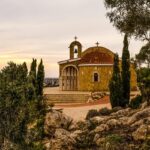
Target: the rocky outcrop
pixel 125 129
pixel 56 119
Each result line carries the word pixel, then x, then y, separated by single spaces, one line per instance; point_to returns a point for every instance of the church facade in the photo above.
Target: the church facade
pixel 89 70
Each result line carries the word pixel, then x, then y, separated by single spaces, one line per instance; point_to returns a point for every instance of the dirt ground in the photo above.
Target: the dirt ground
pixel 79 111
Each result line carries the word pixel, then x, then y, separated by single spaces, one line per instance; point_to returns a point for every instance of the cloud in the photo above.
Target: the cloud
pixel 44 29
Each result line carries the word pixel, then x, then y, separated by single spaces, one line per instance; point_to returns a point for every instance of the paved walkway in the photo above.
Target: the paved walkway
pixel 79 111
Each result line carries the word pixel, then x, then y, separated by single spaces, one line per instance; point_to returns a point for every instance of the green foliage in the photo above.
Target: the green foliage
pixel 144 55
pixel 113 142
pixel 40 79
pixel 126 72
pixel 92 113
pixel 19 106
pixel 102 112
pixel 130 16
pixel 32 74
pixel 135 102
pixel 115 109
pixel 114 138
pixel 81 125
pixel 105 111
pixel 143 75
pixel 115 85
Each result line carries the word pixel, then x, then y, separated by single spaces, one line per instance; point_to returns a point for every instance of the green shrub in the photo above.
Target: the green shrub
pixel 92 113
pixel 104 111
pixel 81 125
pixel 115 109
pixel 135 102
pixel 114 138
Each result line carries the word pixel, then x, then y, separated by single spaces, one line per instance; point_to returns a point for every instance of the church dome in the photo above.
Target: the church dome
pixel 97 55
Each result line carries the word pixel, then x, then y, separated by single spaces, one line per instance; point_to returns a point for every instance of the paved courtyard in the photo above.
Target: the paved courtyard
pixel 78 111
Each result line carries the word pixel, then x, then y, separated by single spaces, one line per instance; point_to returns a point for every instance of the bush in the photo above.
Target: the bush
pixel 115 109
pixel 104 111
pixel 81 125
pixel 135 102
pixel 92 113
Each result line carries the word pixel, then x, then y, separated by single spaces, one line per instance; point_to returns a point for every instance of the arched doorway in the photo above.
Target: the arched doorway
pixel 70 78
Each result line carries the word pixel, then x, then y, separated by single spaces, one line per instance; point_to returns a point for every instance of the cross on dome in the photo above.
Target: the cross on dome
pixel 75 38
pixel 97 44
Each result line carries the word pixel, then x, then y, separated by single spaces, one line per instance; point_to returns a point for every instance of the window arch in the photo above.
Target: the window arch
pixel 75 51
pixel 96 77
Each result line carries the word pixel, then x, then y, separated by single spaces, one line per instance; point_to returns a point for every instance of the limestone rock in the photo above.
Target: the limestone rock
pixel 140 133
pixel 139 115
pixel 62 140
pixel 98 119
pixel 56 119
pixel 112 123
pixel 124 120
pixel 101 128
pixel 121 113
pixel 137 123
pixel 75 134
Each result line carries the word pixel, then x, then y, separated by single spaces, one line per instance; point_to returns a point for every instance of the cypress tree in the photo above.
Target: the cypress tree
pixel 25 71
pixel 115 85
pixel 40 79
pixel 126 71
pixel 33 72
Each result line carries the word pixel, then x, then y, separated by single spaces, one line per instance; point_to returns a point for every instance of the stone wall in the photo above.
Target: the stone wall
pixel 86 81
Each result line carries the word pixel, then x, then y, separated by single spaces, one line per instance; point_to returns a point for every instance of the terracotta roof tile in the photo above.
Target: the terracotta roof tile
pixel 96 57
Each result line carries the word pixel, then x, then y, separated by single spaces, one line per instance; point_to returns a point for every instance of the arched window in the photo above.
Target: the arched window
pixel 75 51
pixel 95 77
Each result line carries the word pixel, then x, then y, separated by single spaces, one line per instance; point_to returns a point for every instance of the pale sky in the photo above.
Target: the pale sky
pixel 45 28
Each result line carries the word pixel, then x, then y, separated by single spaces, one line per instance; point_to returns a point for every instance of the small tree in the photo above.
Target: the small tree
pixel 115 85
pixel 126 71
pixel 18 101
pixel 144 55
pixel 40 79
pixel 33 72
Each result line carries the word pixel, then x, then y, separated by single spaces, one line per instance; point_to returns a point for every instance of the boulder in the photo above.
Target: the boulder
pixel 137 123
pixel 75 134
pixel 123 120
pixel 56 119
pixel 121 113
pixel 90 100
pixel 112 123
pixel 101 128
pixel 62 140
pixel 139 115
pixel 98 120
pixel 62 134
pixel 140 133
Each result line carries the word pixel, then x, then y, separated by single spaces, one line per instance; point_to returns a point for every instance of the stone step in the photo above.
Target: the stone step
pixel 67 98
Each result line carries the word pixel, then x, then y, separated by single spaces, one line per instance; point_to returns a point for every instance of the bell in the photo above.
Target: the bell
pixel 75 51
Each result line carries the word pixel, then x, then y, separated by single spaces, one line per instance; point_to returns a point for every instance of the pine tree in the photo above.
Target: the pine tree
pixel 40 79
pixel 33 72
pixel 126 71
pixel 115 85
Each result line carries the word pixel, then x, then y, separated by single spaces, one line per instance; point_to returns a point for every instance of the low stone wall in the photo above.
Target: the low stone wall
pixel 67 98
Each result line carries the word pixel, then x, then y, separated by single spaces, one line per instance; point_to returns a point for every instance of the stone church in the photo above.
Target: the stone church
pixel 88 70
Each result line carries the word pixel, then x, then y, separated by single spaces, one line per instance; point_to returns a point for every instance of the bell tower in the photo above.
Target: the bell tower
pixel 75 49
